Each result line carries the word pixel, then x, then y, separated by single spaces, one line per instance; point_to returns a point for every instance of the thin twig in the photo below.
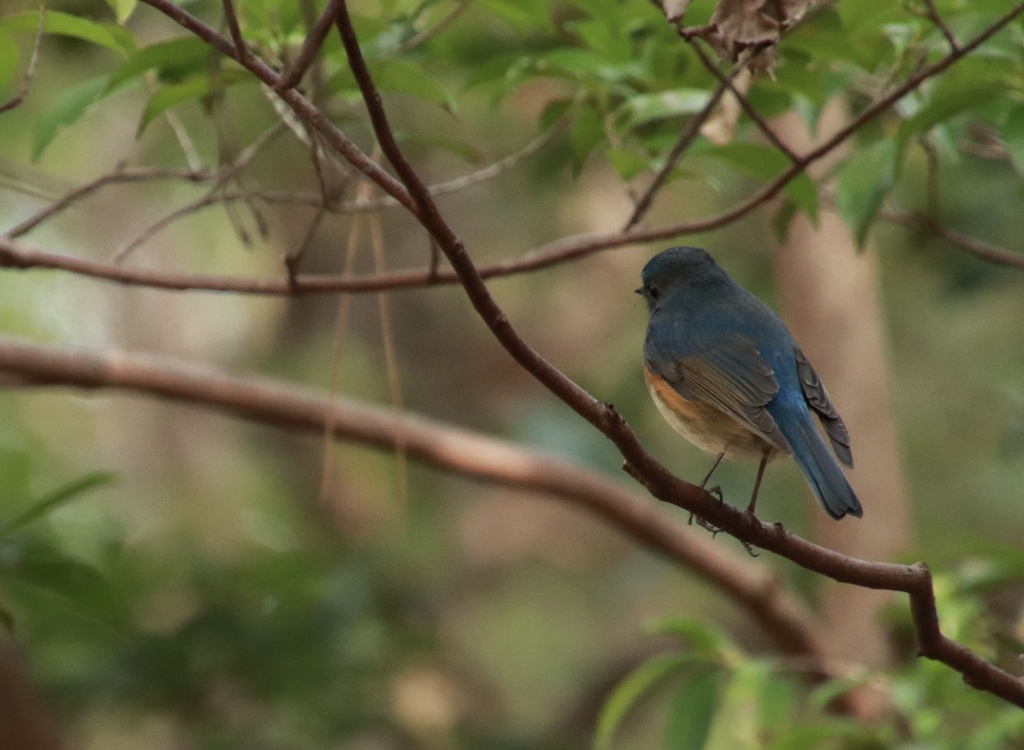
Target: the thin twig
pixel 241 50
pixel 310 47
pixel 30 71
pixel 744 102
pixel 293 260
pixel 977 247
pixel 302 107
pixel 340 333
pixel 121 176
pixel 387 334
pixel 686 139
pixel 306 199
pixel 933 15
pixel 188 148
pixel 429 33
pixel 932 178
pixel 223 175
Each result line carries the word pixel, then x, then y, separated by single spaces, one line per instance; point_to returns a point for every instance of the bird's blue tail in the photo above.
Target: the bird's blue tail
pixel 822 472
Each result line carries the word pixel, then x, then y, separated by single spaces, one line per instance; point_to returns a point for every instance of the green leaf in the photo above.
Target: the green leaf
pixel 7 621
pixel 576 63
pixel 692 712
pixel 628 692
pixel 782 220
pixel 822 695
pixel 79 584
pixel 864 181
pixel 175 59
pixel 707 643
pixel 821 734
pixel 469 153
pixel 675 103
pixel 523 15
pixel 804 193
pixel 8 60
pixel 553 113
pixel 65 24
pixel 970 85
pixel 123 9
pixel 174 94
pixel 626 163
pixel 587 132
pixel 406 78
pixel 608 41
pixel 759 162
pixel 736 724
pixel 66 109
pixel 58 497
pixel 999 732
pixel 1013 138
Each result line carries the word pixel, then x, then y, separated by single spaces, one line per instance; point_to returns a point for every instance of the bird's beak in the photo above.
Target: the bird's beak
pixel 639 291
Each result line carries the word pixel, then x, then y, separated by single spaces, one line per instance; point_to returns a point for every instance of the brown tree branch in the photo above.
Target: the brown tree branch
pixel 241 50
pixel 686 139
pixel 310 47
pixel 977 247
pixel 932 13
pixel 30 71
pixel 915 580
pixel 445 447
pixel 25 722
pixel 726 79
pixel 118 177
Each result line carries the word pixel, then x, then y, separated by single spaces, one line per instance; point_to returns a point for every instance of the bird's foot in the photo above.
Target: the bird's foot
pixel 717 492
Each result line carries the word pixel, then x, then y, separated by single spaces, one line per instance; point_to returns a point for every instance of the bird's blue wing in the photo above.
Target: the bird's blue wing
pixel 817 398
pixel 725 372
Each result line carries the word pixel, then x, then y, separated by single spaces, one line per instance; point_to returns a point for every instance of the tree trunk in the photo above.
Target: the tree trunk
pixel 830 298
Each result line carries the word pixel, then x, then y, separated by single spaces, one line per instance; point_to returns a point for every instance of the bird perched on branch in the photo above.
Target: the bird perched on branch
pixel 726 373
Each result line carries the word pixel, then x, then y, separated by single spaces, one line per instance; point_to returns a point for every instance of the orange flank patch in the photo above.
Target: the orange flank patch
pixel 705 426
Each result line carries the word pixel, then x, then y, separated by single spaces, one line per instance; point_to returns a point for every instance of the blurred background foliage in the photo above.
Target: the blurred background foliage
pixel 178 579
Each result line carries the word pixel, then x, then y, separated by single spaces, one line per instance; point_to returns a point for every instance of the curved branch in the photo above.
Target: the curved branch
pixel 915 580
pixel 977 247
pixel 431 442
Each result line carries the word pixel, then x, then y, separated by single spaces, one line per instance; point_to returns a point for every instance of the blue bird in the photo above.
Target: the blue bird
pixel 726 373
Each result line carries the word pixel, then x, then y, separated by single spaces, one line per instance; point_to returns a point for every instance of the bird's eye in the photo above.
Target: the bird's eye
pixel 652 291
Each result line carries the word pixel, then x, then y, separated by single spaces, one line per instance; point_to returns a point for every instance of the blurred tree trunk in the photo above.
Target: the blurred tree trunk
pixel 830 297
pixel 24 722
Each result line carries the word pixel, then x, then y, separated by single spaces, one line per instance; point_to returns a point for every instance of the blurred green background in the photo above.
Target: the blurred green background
pixel 212 597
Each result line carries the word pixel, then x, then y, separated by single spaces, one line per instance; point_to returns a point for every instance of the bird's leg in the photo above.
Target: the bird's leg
pixel 716 490
pixel 757 482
